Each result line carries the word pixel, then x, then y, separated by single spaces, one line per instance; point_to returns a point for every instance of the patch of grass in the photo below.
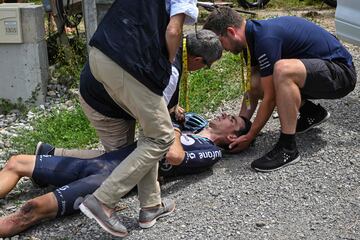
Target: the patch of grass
pixel 62 128
pixel 210 87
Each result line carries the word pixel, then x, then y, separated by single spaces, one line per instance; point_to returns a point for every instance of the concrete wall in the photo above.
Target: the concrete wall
pixel 24 67
pixel 94 11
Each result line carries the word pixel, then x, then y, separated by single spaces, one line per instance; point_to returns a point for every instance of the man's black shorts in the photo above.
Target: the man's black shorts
pixel 327 79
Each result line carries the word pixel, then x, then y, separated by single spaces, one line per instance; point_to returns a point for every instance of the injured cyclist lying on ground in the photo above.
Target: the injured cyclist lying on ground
pixel 75 178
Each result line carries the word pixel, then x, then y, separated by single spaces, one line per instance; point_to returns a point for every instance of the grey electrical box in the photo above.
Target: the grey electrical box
pixel 23 53
pixel 10 25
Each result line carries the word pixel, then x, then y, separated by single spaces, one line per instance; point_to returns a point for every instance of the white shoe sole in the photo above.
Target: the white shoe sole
pixel 89 214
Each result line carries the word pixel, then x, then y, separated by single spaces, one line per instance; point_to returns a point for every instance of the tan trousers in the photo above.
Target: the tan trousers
pixel 114 133
pixel 156 136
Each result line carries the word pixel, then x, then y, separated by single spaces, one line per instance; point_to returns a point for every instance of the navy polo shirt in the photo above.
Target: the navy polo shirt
pixel 290 37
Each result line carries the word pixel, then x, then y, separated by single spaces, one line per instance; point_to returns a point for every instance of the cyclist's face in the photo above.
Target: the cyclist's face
pixel 226 124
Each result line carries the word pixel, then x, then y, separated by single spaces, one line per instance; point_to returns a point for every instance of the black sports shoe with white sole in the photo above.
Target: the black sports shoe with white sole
pixel 310 115
pixel 275 159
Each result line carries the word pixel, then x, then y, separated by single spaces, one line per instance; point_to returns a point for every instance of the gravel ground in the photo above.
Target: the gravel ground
pixel 317 198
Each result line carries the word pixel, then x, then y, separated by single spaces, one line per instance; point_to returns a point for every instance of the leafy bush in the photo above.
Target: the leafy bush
pixel 68 59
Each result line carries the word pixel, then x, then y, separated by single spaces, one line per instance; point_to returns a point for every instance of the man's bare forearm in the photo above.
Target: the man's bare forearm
pixel 174 34
pixel 248 112
pixel 176 153
pixel 263 114
pixel 255 94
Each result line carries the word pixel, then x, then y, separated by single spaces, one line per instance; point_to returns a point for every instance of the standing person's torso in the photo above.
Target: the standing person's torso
pixel 132 34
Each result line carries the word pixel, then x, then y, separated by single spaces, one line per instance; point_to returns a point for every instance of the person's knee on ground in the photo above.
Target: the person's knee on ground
pixel 16 167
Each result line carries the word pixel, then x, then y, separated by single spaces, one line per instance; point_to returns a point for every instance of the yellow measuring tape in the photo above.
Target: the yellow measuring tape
pixel 246 79
pixel 184 89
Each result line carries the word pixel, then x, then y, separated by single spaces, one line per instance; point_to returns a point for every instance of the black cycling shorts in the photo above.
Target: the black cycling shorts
pixel 74 177
pixel 327 79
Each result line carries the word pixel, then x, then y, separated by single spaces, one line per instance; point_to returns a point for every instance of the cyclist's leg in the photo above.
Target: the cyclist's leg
pixel 31 213
pixel 16 167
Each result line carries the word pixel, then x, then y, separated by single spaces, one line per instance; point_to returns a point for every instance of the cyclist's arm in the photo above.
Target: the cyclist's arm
pixel 202 158
pixel 198 156
pixel 176 153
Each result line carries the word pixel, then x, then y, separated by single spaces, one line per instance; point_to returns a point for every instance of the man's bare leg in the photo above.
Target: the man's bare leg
pixel 17 166
pixel 289 77
pixel 31 213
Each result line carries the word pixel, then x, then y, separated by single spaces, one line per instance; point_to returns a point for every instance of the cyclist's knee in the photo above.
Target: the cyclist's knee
pixel 12 164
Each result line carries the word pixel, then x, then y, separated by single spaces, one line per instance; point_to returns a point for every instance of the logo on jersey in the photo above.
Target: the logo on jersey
pixel 186 140
pixel 165 166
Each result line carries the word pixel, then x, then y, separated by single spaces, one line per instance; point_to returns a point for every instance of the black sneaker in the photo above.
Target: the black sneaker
pixel 44 149
pixel 275 159
pixel 310 115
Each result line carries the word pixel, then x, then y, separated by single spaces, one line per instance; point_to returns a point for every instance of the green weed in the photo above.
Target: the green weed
pixel 68 59
pixel 210 87
pixel 6 106
pixel 63 128
pixel 286 4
